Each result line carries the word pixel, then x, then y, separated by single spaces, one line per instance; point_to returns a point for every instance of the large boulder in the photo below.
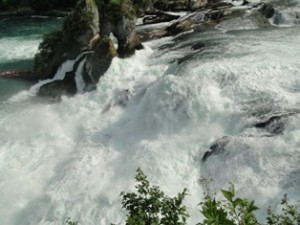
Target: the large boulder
pixel 79 27
pixel 98 62
pixel 67 86
pixel 56 89
pixel 120 20
pixel 197 4
pixel 159 17
pixel 217 147
pixel 267 10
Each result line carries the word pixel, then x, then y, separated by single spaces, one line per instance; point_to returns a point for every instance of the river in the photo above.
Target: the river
pixel 73 158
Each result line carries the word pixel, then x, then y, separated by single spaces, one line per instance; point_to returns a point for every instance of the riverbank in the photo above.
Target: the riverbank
pixel 27 11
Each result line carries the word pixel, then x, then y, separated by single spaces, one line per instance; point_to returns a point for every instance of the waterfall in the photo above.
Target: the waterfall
pixel 73 158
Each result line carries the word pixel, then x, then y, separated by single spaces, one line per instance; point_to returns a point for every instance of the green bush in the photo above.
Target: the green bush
pixel 51 44
pixel 231 211
pixel 150 206
pixel 290 214
pixel 77 22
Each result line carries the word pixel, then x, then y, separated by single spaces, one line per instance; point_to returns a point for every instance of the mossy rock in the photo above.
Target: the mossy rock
pixel 98 62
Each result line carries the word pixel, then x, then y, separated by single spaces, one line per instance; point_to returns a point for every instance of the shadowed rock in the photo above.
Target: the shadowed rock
pixel 217 147
pixel 98 62
pixel 159 17
pixel 19 74
pixel 274 123
pixel 56 89
pixel 267 10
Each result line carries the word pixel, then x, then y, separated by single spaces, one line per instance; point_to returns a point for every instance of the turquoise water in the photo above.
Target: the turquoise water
pixel 73 158
pixel 19 39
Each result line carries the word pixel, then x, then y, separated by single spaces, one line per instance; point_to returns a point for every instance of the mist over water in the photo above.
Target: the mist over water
pixel 73 158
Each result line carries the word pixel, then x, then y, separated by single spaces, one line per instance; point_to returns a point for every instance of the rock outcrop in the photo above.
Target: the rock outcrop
pixel 120 20
pixel 215 14
pixel 217 147
pixel 103 53
pixel 79 27
pixel 159 17
pixel 67 86
pixel 88 28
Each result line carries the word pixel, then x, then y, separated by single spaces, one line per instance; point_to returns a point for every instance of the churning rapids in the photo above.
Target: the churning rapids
pixel 73 158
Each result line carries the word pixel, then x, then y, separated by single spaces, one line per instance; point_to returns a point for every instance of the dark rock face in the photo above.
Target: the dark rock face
pixel 217 147
pixel 98 62
pixel 275 122
pixel 122 27
pixel 267 10
pixel 56 89
pixel 79 27
pixel 159 17
pixel 87 28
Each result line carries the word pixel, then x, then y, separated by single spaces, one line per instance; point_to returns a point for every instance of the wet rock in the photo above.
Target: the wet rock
pixel 267 10
pixel 98 62
pixel 275 122
pixel 56 89
pixel 79 27
pixel 122 26
pixel 198 46
pixel 197 4
pixel 19 74
pixel 217 147
pixel 159 17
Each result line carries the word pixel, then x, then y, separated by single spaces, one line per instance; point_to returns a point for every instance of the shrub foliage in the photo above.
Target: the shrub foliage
pixel 150 205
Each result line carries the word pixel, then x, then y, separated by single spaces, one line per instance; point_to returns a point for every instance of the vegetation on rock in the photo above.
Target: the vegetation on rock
pixel 76 23
pixel 52 44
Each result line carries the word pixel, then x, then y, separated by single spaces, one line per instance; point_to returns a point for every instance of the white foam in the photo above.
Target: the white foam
pixel 18 48
pixel 72 159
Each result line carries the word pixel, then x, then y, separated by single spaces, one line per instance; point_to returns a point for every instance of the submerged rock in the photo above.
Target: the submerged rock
pixel 274 123
pixel 217 147
pixel 159 17
pixel 19 74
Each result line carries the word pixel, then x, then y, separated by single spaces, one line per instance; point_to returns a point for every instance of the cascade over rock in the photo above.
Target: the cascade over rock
pixel 103 53
pixel 78 28
pixel 66 86
pixel 88 28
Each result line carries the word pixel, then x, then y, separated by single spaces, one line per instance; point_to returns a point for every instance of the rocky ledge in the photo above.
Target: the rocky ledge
pixel 89 26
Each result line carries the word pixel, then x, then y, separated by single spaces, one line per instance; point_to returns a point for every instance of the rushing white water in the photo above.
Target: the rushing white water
pixel 73 158
pixel 18 48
